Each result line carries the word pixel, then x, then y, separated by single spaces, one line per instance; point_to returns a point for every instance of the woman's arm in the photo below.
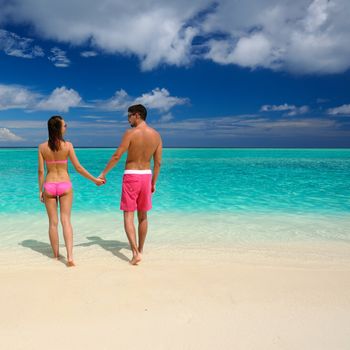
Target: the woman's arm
pixel 40 174
pixel 80 169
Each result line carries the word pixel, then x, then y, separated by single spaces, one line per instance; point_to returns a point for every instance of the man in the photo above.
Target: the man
pixel 141 142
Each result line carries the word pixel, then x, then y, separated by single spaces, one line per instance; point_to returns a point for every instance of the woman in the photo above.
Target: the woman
pixel 57 186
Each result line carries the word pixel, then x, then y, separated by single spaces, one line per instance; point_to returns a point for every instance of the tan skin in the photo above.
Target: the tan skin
pixel 57 173
pixel 142 143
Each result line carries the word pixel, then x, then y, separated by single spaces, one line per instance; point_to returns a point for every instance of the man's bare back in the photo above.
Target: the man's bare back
pixel 143 144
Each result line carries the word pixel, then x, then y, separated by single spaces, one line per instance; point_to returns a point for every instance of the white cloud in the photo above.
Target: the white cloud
pixel 23 124
pixel 249 51
pixel 293 110
pixel 277 108
pixel 59 58
pixel 299 110
pixel 252 51
pixel 166 118
pixel 301 36
pixel 249 126
pixel 344 109
pixel 7 135
pixel 120 101
pixel 160 99
pixel 92 117
pixel 14 45
pixel 108 121
pixel 87 54
pixel 41 125
pixel 13 96
pixel 155 31
pixel 61 99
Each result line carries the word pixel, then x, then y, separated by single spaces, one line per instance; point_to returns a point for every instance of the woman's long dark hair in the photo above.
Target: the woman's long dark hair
pixel 54 126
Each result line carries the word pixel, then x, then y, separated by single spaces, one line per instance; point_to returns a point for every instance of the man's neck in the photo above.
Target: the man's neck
pixel 141 124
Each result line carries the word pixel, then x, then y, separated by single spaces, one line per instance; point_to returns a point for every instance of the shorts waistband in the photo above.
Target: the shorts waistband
pixel 139 172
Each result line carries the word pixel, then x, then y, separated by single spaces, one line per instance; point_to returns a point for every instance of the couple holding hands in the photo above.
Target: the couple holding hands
pixel 141 142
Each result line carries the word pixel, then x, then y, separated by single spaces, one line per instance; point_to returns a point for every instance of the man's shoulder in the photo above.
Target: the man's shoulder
pixel 153 130
pixel 129 132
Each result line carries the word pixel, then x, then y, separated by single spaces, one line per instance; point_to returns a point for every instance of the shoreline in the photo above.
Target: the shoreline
pixel 305 255
pixel 180 228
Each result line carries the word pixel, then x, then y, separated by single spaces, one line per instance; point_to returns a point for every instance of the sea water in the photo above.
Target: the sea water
pixel 202 195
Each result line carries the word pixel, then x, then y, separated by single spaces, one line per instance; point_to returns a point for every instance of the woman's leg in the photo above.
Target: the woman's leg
pixel 51 208
pixel 65 209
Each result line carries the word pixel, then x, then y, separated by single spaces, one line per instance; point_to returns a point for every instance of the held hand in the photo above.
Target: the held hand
pixel 98 181
pixel 41 197
pixel 103 177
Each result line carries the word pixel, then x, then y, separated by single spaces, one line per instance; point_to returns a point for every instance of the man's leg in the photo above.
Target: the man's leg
pixel 142 229
pixel 131 234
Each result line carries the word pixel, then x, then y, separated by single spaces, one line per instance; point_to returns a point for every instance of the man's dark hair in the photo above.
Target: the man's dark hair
pixel 140 109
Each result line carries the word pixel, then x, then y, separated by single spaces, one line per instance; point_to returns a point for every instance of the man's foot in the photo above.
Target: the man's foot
pixel 57 257
pixel 136 259
pixel 70 263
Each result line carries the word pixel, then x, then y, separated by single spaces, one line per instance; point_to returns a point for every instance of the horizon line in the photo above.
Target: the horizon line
pixel 195 147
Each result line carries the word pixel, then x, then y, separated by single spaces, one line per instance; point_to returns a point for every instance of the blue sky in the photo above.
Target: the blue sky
pixel 217 74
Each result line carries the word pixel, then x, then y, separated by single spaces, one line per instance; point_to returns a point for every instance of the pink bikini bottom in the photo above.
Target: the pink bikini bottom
pixel 57 188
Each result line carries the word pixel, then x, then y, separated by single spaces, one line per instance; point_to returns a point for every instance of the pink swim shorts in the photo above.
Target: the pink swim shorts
pixel 136 190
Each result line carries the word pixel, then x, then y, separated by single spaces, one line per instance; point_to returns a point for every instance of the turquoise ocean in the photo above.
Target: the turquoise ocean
pixel 203 195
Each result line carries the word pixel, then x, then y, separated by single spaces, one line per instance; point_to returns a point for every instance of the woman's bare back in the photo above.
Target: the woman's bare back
pixel 56 171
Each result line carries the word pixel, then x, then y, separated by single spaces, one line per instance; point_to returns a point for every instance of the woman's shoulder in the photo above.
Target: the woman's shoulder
pixel 68 144
pixel 42 145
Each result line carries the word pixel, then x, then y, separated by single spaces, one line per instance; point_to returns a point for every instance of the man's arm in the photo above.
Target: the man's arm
pixel 123 147
pixel 157 160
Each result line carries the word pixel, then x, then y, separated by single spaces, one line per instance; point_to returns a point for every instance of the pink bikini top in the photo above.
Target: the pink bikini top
pixel 56 161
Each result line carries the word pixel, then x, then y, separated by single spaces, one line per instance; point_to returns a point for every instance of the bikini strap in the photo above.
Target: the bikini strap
pixel 56 161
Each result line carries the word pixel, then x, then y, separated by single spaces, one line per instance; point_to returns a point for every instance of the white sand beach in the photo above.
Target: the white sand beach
pixel 253 297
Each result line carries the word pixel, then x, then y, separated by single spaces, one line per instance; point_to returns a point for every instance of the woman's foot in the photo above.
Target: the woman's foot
pixel 70 263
